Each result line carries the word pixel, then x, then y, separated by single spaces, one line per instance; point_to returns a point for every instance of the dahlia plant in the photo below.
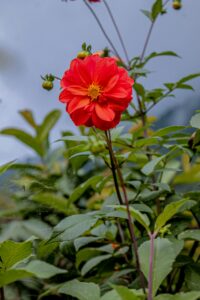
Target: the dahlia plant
pixel 113 214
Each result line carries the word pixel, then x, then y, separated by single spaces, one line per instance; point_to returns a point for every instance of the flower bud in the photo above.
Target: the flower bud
pixel 47 85
pixel 83 54
pixel 177 4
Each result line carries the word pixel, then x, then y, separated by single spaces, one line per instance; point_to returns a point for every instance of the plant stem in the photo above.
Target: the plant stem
pixel 102 29
pixel 117 30
pixel 2 297
pixel 151 259
pixel 130 224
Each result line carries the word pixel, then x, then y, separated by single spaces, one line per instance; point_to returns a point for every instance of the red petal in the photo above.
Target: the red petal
pixel 104 112
pixel 77 103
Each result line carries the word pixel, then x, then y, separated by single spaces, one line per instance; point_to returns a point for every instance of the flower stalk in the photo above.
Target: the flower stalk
pixel 116 167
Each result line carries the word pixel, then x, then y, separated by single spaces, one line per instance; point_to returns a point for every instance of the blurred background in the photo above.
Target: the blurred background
pixel 43 36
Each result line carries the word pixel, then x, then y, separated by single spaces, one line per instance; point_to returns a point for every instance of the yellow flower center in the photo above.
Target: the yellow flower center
pixel 94 90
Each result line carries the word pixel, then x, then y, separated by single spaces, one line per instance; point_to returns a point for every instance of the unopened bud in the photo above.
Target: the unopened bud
pixel 177 4
pixel 83 54
pixel 47 85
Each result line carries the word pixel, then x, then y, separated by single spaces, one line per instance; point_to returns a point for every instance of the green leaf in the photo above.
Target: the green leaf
pixel 156 9
pixel 127 294
pixel 82 241
pixel 193 234
pixel 75 138
pixel 168 130
pixel 150 166
pixel 112 295
pixel 169 211
pixel 195 121
pixel 136 214
pixel 12 253
pixel 28 116
pixel 189 77
pixel 5 167
pixel 81 290
pixel 10 276
pixel 157 54
pixel 25 138
pixel 147 14
pixel 58 203
pixel 74 226
pixel 192 276
pixel 93 262
pixel 164 257
pixel 78 192
pixel 48 123
pixel 42 269
pixel 181 296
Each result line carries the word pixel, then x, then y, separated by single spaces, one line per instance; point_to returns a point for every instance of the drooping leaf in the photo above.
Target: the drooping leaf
pixel 28 116
pixel 5 167
pixel 81 290
pixel 25 138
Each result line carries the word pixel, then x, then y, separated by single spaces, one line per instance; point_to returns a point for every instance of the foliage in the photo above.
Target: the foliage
pixel 106 215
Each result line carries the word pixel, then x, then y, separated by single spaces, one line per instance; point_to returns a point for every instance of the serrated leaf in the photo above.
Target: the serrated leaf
pixel 169 211
pixel 81 290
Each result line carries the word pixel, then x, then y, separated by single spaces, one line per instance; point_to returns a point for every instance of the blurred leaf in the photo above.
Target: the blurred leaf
pixel 42 269
pixel 147 14
pixel 75 138
pixel 82 241
pixel 193 234
pixel 25 138
pixel 28 116
pixel 78 192
pixel 13 275
pixel 181 296
pixel 51 200
pixel 192 277
pixel 12 253
pixel 136 214
pixel 156 9
pixel 150 166
pixel 168 130
pixel 93 262
pixel 195 121
pixel 169 211
pixel 128 294
pixel 5 167
pixel 157 54
pixel 81 290
pixel 189 77
pixel 48 123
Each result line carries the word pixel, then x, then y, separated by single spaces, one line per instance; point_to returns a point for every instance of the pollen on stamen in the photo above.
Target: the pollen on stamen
pixel 94 91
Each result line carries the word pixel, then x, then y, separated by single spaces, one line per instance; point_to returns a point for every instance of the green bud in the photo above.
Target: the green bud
pixel 47 85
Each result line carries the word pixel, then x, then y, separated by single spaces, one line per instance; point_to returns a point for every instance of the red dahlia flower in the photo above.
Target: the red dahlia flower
pixel 96 91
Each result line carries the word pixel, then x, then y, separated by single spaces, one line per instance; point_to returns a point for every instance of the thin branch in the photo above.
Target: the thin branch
pixel 102 29
pixel 130 224
pixel 117 30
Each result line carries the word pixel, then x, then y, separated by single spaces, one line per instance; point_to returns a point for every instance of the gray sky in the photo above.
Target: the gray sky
pixel 42 36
